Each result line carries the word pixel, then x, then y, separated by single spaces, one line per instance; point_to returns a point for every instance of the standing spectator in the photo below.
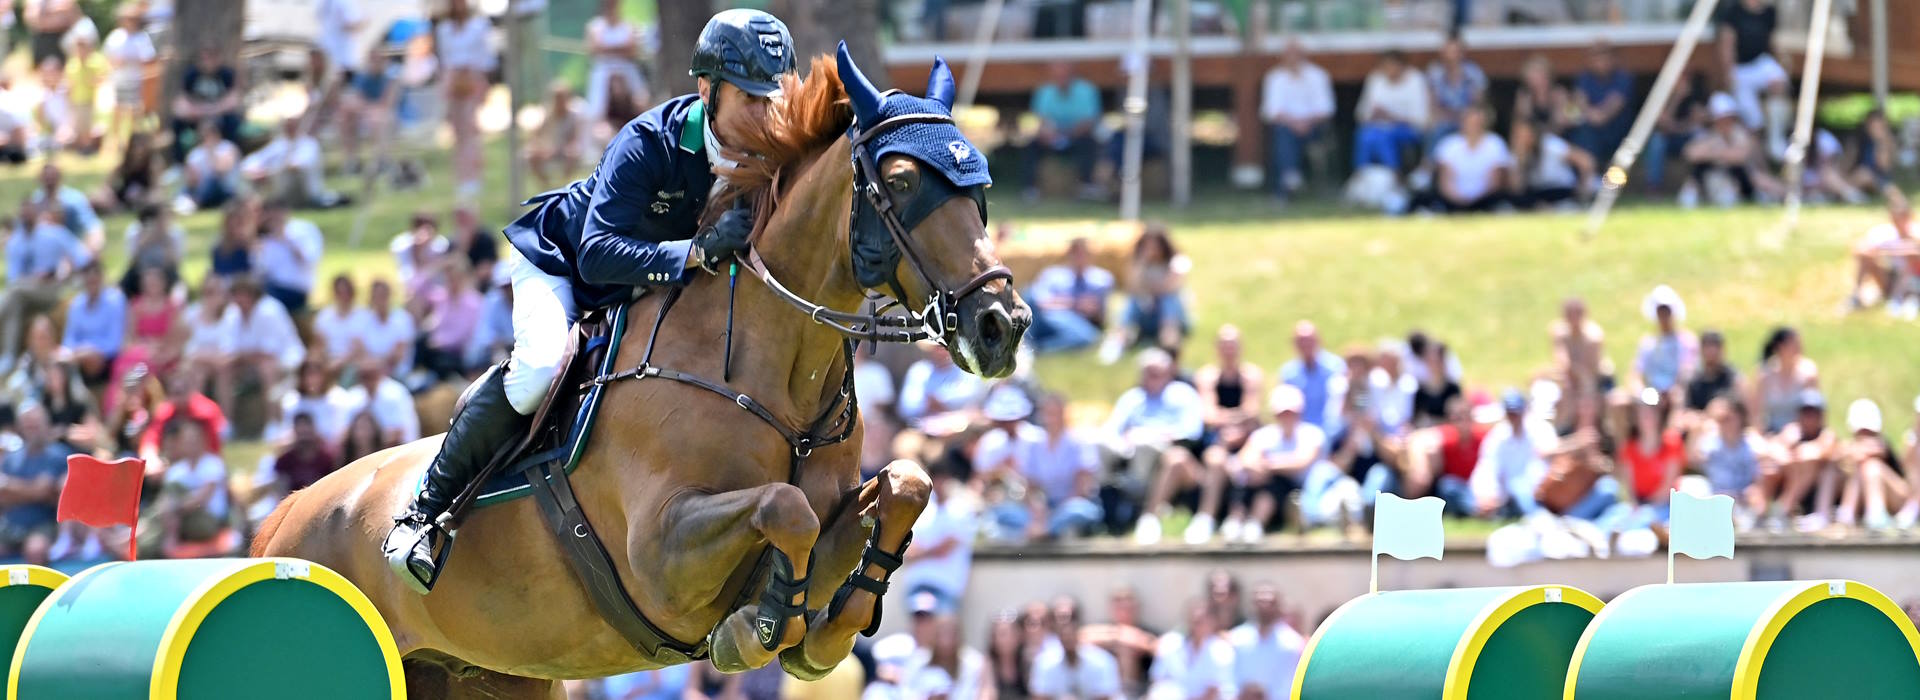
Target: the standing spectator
pixel 234 254
pixel 130 49
pixel 86 70
pixel 1873 474
pixel 337 21
pixel 946 530
pixel 39 257
pixel 209 91
pixel 1725 153
pixel 1318 374
pixel 338 324
pixel 311 396
pixel 1132 646
pixel 1513 460
pixel 1541 99
pixel 1296 101
pixel 212 170
pixel 1757 80
pixel 873 388
pixel 1668 357
pixel 96 323
pixel 292 168
pixel 1156 289
pixel 464 40
pixel 1156 427
pixel 1458 86
pixel 388 401
pixel 1074 668
pixel 936 395
pixel 389 333
pixel 1196 665
pixel 48 22
pixel 261 341
pixel 1602 93
pixel 289 256
pixel 1475 168
pixel 614 44
pixel 1546 169
pixel 193 503
pixel 453 314
pixel 1808 456
pixel 1223 599
pixel 1579 354
pixel 1392 114
pixel 1069 110
pixel 1715 378
pixel 31 487
pixel 1069 302
pixel 71 209
pixel 1290 454
pixel 1684 117
pixel 1877 151
pixel 560 141
pixel 1728 451
pixel 1779 388
pixel 1266 649
pixel 367 105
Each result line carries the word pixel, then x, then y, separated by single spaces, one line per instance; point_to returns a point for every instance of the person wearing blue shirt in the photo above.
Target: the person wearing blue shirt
pixel 1321 377
pixel 1458 85
pixel 96 323
pixel 936 387
pixel 1604 91
pixel 1069 110
pixel 75 210
pixel 39 255
pixel 1069 302
pixel 30 480
pixel 1156 428
pixel 634 222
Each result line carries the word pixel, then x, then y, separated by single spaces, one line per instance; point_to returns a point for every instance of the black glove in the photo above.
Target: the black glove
pixel 726 237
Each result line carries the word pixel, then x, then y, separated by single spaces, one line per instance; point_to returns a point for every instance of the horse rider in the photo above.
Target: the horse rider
pixel 631 223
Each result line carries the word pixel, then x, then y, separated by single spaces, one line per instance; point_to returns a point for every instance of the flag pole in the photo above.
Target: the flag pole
pixel 1669 563
pixel 1373 583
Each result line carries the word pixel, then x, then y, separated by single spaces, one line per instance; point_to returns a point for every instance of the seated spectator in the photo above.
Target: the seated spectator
pixel 418 252
pixel 1745 30
pixel 1822 177
pixel 1684 117
pixel 452 316
pixel 1669 356
pixel 86 69
pixel 669 683
pixel 936 396
pixel 560 140
pixel 205 326
pixel 1651 458
pixel 1540 98
pixel 193 503
pixel 289 256
pixel 135 179
pixel 336 325
pixel 127 420
pixel 1579 483
pixel 1512 462
pixel 476 243
pixel 1266 649
pixel 54 113
pixel 1318 374
pixel 1197 664
pixel 23 381
pixel 1057 469
pixel 1909 512
pixel 947 529
pixel 1547 171
pixel 1458 86
pixel 311 396
pixel 1579 354
pixel 1728 451
pixel 1474 169
pixel 1437 374
pixel 235 254
pixel 1010 664
pixel 615 45
pixel 1073 668
pixel 212 170
pixel 1876 152
pixel 16 142
pixel 1722 158
pixel 1223 599
pixel 154 240
pixel 260 342
pixel 184 404
pixel 292 168
pixel 1132 646
pixel 1392 114
pixel 1391 389
pixel 1889 257
pixel 70 209
pixel 951 669
pixel 209 91
pixel 389 402
pixel 1286 455
pixel 1296 102
pixel 307 457
pixel 1715 379
pixel 1874 475
pixel 1069 110
pixel 69 405
pixel 1806 479
pixel 1156 289
pixel 1444 456
pixel 367 106
pixel 1602 95
pixel 493 339
pixel 1069 302
pixel 1363 448
pixel 1155 428
pixel 363 437
pixel 389 333
pixel 31 487
pixel 96 323
pixel 1779 388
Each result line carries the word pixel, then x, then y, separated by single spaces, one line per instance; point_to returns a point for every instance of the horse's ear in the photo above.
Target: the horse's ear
pixel 865 98
pixel 940 83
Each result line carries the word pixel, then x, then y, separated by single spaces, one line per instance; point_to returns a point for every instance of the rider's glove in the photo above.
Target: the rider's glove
pixel 718 243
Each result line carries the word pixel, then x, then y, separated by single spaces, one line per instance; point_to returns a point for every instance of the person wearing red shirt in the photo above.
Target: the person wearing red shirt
pixel 1453 447
pixel 183 399
pixel 1652 456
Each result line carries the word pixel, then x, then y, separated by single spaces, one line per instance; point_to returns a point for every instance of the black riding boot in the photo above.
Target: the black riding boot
pixel 483 427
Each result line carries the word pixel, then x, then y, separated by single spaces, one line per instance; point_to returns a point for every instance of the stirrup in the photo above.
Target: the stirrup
pixel 776 602
pixel 439 525
pixel 873 556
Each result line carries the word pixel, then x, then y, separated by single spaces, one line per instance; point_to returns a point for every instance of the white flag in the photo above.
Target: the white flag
pixel 1407 530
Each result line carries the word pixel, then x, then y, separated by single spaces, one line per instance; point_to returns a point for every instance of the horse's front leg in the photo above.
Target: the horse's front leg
pixel 709 537
pixel 869 537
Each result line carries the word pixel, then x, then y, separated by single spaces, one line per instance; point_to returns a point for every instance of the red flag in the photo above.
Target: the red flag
pixel 103 494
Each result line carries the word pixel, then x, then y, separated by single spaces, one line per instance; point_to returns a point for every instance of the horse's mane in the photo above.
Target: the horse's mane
pixel 808 117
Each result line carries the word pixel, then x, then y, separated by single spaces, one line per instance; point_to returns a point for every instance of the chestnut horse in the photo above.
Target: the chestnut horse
pixel 686 489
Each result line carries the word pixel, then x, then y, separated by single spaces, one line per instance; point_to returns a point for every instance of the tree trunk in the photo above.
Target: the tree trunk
pixel 197 23
pixel 819 25
pixel 680 24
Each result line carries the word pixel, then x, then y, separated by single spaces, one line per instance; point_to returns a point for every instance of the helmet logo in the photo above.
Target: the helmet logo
pixel 773 45
pixel 960 150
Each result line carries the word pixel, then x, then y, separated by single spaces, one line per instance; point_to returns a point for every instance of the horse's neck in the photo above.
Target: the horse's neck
pixel 804 246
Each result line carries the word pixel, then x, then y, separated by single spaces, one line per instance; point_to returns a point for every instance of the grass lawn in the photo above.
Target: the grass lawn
pixel 1488 285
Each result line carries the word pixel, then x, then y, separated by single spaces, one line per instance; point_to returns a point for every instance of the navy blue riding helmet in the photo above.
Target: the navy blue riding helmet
pixel 748 48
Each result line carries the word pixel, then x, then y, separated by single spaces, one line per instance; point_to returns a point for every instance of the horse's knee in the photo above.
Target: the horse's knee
pixel 908 483
pixel 785 517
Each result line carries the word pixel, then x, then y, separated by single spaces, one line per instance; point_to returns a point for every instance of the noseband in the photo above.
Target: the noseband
pixel 939 318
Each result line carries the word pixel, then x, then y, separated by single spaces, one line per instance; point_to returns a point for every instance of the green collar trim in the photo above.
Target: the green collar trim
pixel 693 135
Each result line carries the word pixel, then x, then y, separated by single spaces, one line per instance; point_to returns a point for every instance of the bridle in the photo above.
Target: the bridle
pixel 939 318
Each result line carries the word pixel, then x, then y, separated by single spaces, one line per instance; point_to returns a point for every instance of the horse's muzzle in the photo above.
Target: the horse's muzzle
pixel 991 326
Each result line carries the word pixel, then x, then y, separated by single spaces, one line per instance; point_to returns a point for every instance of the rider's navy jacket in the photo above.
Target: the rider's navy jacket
pixel 628 223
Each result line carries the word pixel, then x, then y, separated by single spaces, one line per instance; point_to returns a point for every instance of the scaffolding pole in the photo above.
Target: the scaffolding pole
pixel 1139 61
pixel 977 59
pixel 1803 116
pixel 1180 148
pixel 1663 86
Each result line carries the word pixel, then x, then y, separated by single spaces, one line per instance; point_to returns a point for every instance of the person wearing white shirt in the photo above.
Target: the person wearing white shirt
pixel 338 20
pixel 613 42
pixel 388 400
pixel 942 559
pixel 1546 168
pixel 935 394
pixel 194 498
pixel 258 338
pixel 129 49
pixel 1390 389
pixel 205 320
pixel 948 669
pixel 1296 100
pixel 338 324
pixel 291 168
pixel 464 40
pixel 1286 453
pixel 1474 168
pixel 1266 649
pixel 212 169
pixel 1393 112
pixel 289 256
pixel 1156 428
pixel 1073 668
pixel 389 333
pixel 1512 460
pixel 1196 665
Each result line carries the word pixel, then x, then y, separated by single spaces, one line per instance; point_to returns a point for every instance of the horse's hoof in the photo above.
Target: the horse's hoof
pixel 795 662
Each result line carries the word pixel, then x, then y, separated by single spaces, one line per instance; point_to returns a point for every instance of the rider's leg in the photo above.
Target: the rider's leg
pixel 496 410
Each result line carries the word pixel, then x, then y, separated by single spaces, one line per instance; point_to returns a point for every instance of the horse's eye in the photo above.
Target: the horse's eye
pixel 899 183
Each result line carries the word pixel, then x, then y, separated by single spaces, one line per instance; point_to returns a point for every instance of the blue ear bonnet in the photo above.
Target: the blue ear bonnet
pixel 939 147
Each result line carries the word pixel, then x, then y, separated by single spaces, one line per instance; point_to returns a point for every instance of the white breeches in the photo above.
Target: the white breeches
pixel 543 313
pixel 1750 81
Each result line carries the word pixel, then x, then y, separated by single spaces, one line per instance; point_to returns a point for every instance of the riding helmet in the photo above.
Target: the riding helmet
pixel 748 48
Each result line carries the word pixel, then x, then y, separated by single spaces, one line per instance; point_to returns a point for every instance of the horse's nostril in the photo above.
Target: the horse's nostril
pixel 994 327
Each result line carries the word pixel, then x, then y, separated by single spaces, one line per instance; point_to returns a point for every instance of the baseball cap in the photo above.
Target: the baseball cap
pixel 924 603
pixel 1286 397
pixel 1863 414
pixel 1007 404
pixel 1721 105
pixel 1812 398
pixel 1513 401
